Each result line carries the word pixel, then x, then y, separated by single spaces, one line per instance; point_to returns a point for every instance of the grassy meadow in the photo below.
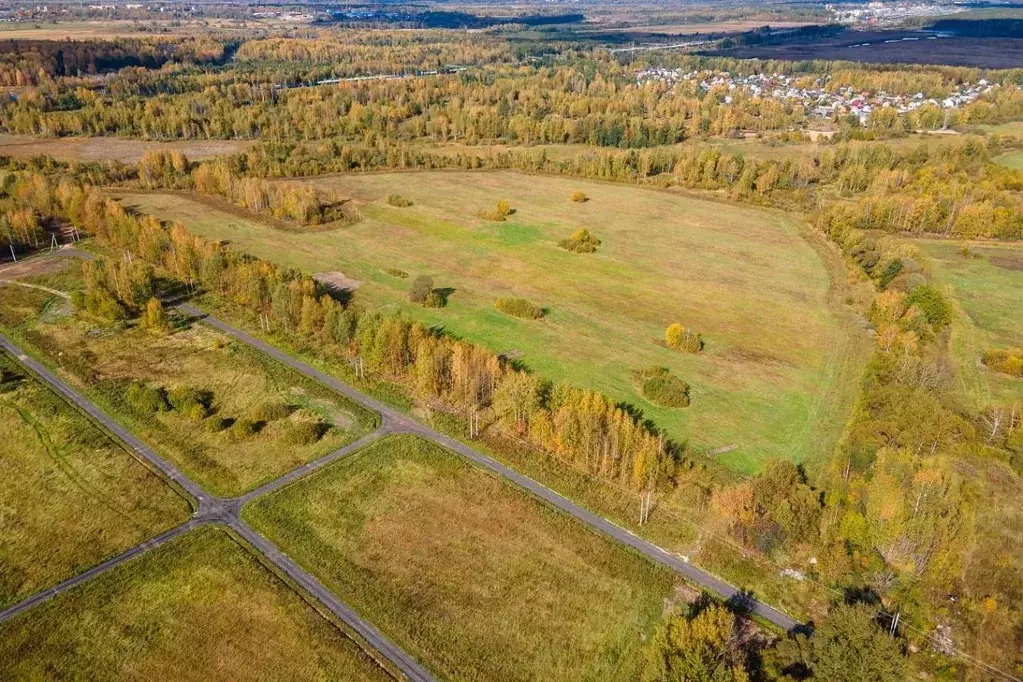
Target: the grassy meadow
pixel 198 608
pixel 70 496
pixel 988 288
pixel 111 149
pixel 105 362
pixel 777 374
pixel 477 579
pixel 1013 160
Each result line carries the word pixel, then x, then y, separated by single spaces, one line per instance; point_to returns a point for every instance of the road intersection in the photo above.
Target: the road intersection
pixel 227 511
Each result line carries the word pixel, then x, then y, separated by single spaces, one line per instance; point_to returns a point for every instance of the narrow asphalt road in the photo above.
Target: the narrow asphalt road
pixel 215 510
pixel 137 550
pixel 395 421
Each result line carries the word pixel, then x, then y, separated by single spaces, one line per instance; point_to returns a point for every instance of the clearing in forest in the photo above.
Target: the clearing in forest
pixel 111 148
pixel 229 416
pixel 778 371
pixel 198 608
pixel 70 497
pixel 987 286
pixel 477 579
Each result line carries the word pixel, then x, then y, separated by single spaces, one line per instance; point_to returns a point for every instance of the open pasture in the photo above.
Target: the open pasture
pixel 988 288
pixel 198 608
pixel 768 380
pixel 70 496
pixel 477 579
pixel 211 445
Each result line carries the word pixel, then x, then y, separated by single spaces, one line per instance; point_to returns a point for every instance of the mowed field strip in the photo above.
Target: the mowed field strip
pixel 70 496
pixel 478 579
pixel 111 148
pixel 988 288
pixel 198 608
pixel 768 381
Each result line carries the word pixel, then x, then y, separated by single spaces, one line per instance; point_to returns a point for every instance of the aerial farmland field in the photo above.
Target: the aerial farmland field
pixel 772 380
pixel 198 608
pixel 477 579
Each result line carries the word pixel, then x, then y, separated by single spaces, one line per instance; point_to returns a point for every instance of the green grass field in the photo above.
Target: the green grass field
pixel 1013 160
pixel 778 372
pixel 989 291
pixel 477 579
pixel 104 362
pixel 69 496
pixel 198 608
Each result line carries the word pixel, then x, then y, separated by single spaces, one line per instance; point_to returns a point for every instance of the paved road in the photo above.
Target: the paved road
pixel 215 510
pixel 395 421
pixel 51 592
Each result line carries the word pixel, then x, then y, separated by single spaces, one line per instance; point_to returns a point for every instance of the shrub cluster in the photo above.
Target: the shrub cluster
pixel 680 337
pixel 398 201
pixel 499 214
pixel 422 292
pixel 1006 360
pixel 519 307
pixel 270 411
pixel 244 428
pixel 306 429
pixel 579 197
pixel 581 241
pixel 663 388
pixel 147 399
pixel 195 403
pixel 395 272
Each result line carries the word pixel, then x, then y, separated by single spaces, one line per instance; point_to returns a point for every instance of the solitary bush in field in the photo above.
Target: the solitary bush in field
pixel 147 399
pixel 579 197
pixel 399 201
pixel 395 272
pixel 663 388
pixel 680 337
pixel 304 431
pixel 421 289
pixel 244 428
pixel 519 307
pixel 186 400
pixel 1006 360
pixel 581 241
pixel 499 214
pixel 270 411
pixel 215 424
pixel 435 300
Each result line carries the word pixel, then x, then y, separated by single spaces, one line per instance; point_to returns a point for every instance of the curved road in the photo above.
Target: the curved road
pixel 396 421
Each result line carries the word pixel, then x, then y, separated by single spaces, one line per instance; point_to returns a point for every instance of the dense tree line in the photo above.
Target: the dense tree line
pixel 583 101
pixel 298 203
pixel 30 62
